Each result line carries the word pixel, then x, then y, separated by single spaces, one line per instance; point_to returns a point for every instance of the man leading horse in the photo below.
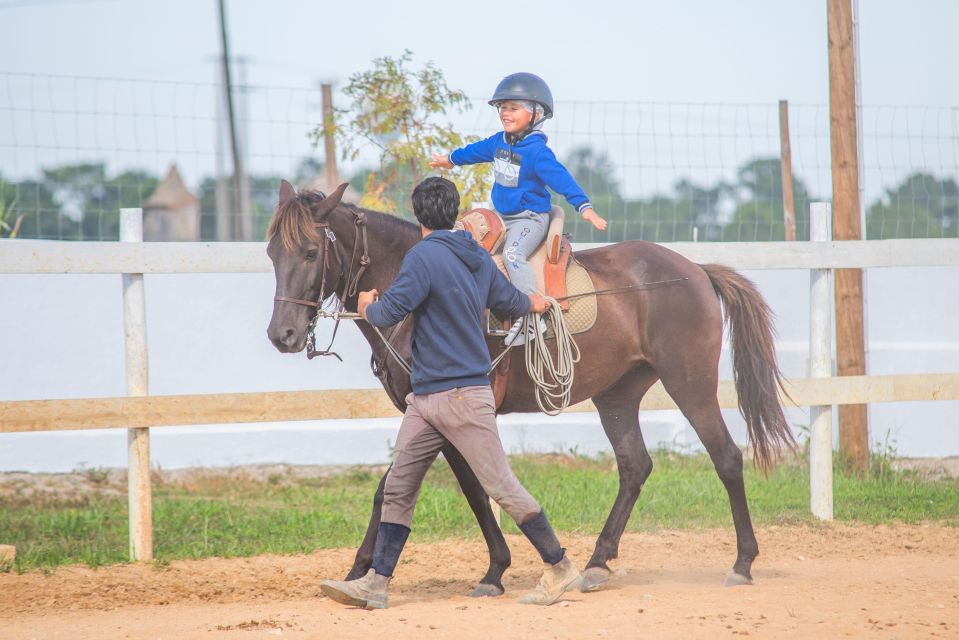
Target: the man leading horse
pixel 446 282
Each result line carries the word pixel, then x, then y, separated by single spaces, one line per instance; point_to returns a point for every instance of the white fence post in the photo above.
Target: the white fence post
pixel 139 494
pixel 820 366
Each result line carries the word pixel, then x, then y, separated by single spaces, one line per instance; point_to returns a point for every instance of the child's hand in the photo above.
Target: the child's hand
pixel 594 219
pixel 440 161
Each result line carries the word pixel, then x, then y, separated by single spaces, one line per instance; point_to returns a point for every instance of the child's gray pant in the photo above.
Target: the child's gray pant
pixel 524 233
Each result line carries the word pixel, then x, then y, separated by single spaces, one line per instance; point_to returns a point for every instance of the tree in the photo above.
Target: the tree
pixel 396 110
pixel 262 202
pixel 749 209
pixel 30 209
pixel 704 206
pixel 308 170
pixel 920 207
pixel 10 220
pixel 594 172
pixel 206 193
pixel 262 197
pixel 759 212
pixel 101 211
pixel 90 200
pixel 660 219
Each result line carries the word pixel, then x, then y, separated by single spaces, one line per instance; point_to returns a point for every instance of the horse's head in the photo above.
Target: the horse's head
pixel 296 245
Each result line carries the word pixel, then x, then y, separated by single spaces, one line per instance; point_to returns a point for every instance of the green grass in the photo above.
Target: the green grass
pixel 231 515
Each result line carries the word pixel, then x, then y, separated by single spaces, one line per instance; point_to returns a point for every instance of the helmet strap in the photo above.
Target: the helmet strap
pixel 533 123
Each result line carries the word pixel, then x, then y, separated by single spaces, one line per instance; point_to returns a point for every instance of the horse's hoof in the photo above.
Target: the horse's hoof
pixel 736 580
pixel 593 579
pixel 484 590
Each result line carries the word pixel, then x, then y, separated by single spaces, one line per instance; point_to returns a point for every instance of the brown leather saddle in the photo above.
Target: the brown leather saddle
pixel 549 263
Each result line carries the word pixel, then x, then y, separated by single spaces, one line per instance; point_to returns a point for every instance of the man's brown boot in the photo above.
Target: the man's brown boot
pixel 369 592
pixel 557 579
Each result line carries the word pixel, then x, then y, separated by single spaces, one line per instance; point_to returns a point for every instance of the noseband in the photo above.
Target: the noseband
pixel 351 282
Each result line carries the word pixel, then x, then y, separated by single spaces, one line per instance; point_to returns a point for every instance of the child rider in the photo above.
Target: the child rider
pixel 523 167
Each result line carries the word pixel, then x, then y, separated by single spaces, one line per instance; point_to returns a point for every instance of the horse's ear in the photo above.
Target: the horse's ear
pixel 286 192
pixel 329 203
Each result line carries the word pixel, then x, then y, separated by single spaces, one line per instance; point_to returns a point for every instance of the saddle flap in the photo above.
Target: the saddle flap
pixel 554 271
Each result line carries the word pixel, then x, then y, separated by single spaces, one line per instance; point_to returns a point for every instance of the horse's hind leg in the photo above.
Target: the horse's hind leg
pixel 619 412
pixel 499 555
pixel 697 401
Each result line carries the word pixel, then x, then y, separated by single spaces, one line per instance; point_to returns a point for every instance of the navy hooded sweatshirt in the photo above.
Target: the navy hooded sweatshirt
pixel 522 171
pixel 446 281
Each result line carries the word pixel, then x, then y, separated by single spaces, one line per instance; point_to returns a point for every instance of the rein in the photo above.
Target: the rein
pixel 642 286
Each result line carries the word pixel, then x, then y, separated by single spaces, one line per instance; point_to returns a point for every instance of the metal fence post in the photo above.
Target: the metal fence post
pixel 139 494
pixel 820 366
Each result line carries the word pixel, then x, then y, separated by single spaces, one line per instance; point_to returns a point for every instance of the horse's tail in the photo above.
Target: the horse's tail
pixel 755 370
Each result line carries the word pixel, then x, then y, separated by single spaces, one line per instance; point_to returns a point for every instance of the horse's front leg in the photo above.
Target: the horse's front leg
pixel 499 555
pixel 364 555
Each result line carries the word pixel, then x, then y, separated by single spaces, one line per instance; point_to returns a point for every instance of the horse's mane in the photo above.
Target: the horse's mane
pixel 293 220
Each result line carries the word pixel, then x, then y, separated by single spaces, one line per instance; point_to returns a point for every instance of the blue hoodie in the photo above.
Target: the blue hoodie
pixel 446 281
pixel 522 171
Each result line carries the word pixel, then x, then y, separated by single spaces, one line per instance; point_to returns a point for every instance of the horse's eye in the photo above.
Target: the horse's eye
pixel 311 254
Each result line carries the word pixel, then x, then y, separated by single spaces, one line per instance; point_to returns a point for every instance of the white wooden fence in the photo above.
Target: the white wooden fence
pixel 138 412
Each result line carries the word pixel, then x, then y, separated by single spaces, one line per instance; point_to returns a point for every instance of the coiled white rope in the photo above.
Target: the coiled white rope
pixel 552 381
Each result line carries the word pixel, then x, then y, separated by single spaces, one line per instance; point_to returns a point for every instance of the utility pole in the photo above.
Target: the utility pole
pixel 332 175
pixel 786 172
pixel 224 223
pixel 242 197
pixel 847 225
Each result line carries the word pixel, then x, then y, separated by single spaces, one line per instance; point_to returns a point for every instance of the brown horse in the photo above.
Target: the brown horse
pixel 321 248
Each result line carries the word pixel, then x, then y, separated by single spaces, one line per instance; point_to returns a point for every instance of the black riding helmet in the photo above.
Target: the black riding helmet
pixel 525 86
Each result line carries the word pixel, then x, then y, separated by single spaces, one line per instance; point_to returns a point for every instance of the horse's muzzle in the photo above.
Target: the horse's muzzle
pixel 286 339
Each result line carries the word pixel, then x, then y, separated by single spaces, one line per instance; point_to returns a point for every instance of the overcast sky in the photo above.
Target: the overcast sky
pixel 708 52
pixel 681 50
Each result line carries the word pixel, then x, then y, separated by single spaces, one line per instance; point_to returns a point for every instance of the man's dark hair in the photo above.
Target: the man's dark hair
pixel 436 203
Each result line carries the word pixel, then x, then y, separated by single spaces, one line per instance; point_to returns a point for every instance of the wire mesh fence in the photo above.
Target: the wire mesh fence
pixel 73 150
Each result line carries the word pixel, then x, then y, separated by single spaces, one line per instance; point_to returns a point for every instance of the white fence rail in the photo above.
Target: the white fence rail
pixel 336 404
pixel 139 412
pixel 51 256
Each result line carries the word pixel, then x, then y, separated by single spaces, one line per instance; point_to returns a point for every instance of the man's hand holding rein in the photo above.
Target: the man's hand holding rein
pixel 537 303
pixel 365 299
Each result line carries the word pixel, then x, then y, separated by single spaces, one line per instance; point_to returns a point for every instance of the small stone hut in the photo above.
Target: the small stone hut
pixel 171 213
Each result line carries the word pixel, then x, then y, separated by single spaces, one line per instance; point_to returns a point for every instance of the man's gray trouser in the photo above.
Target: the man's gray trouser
pixel 466 417
pixel 524 233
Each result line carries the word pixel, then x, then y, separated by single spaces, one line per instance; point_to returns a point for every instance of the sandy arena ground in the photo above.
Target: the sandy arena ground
pixel 833 581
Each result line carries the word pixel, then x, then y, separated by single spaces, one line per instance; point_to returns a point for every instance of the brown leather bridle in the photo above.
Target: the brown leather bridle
pixel 351 282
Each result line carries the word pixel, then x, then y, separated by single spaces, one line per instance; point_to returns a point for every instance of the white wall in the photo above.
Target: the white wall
pixel 61 337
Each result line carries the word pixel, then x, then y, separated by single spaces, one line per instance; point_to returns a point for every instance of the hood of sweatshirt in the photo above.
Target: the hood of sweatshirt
pixel 462 245
pixel 534 137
